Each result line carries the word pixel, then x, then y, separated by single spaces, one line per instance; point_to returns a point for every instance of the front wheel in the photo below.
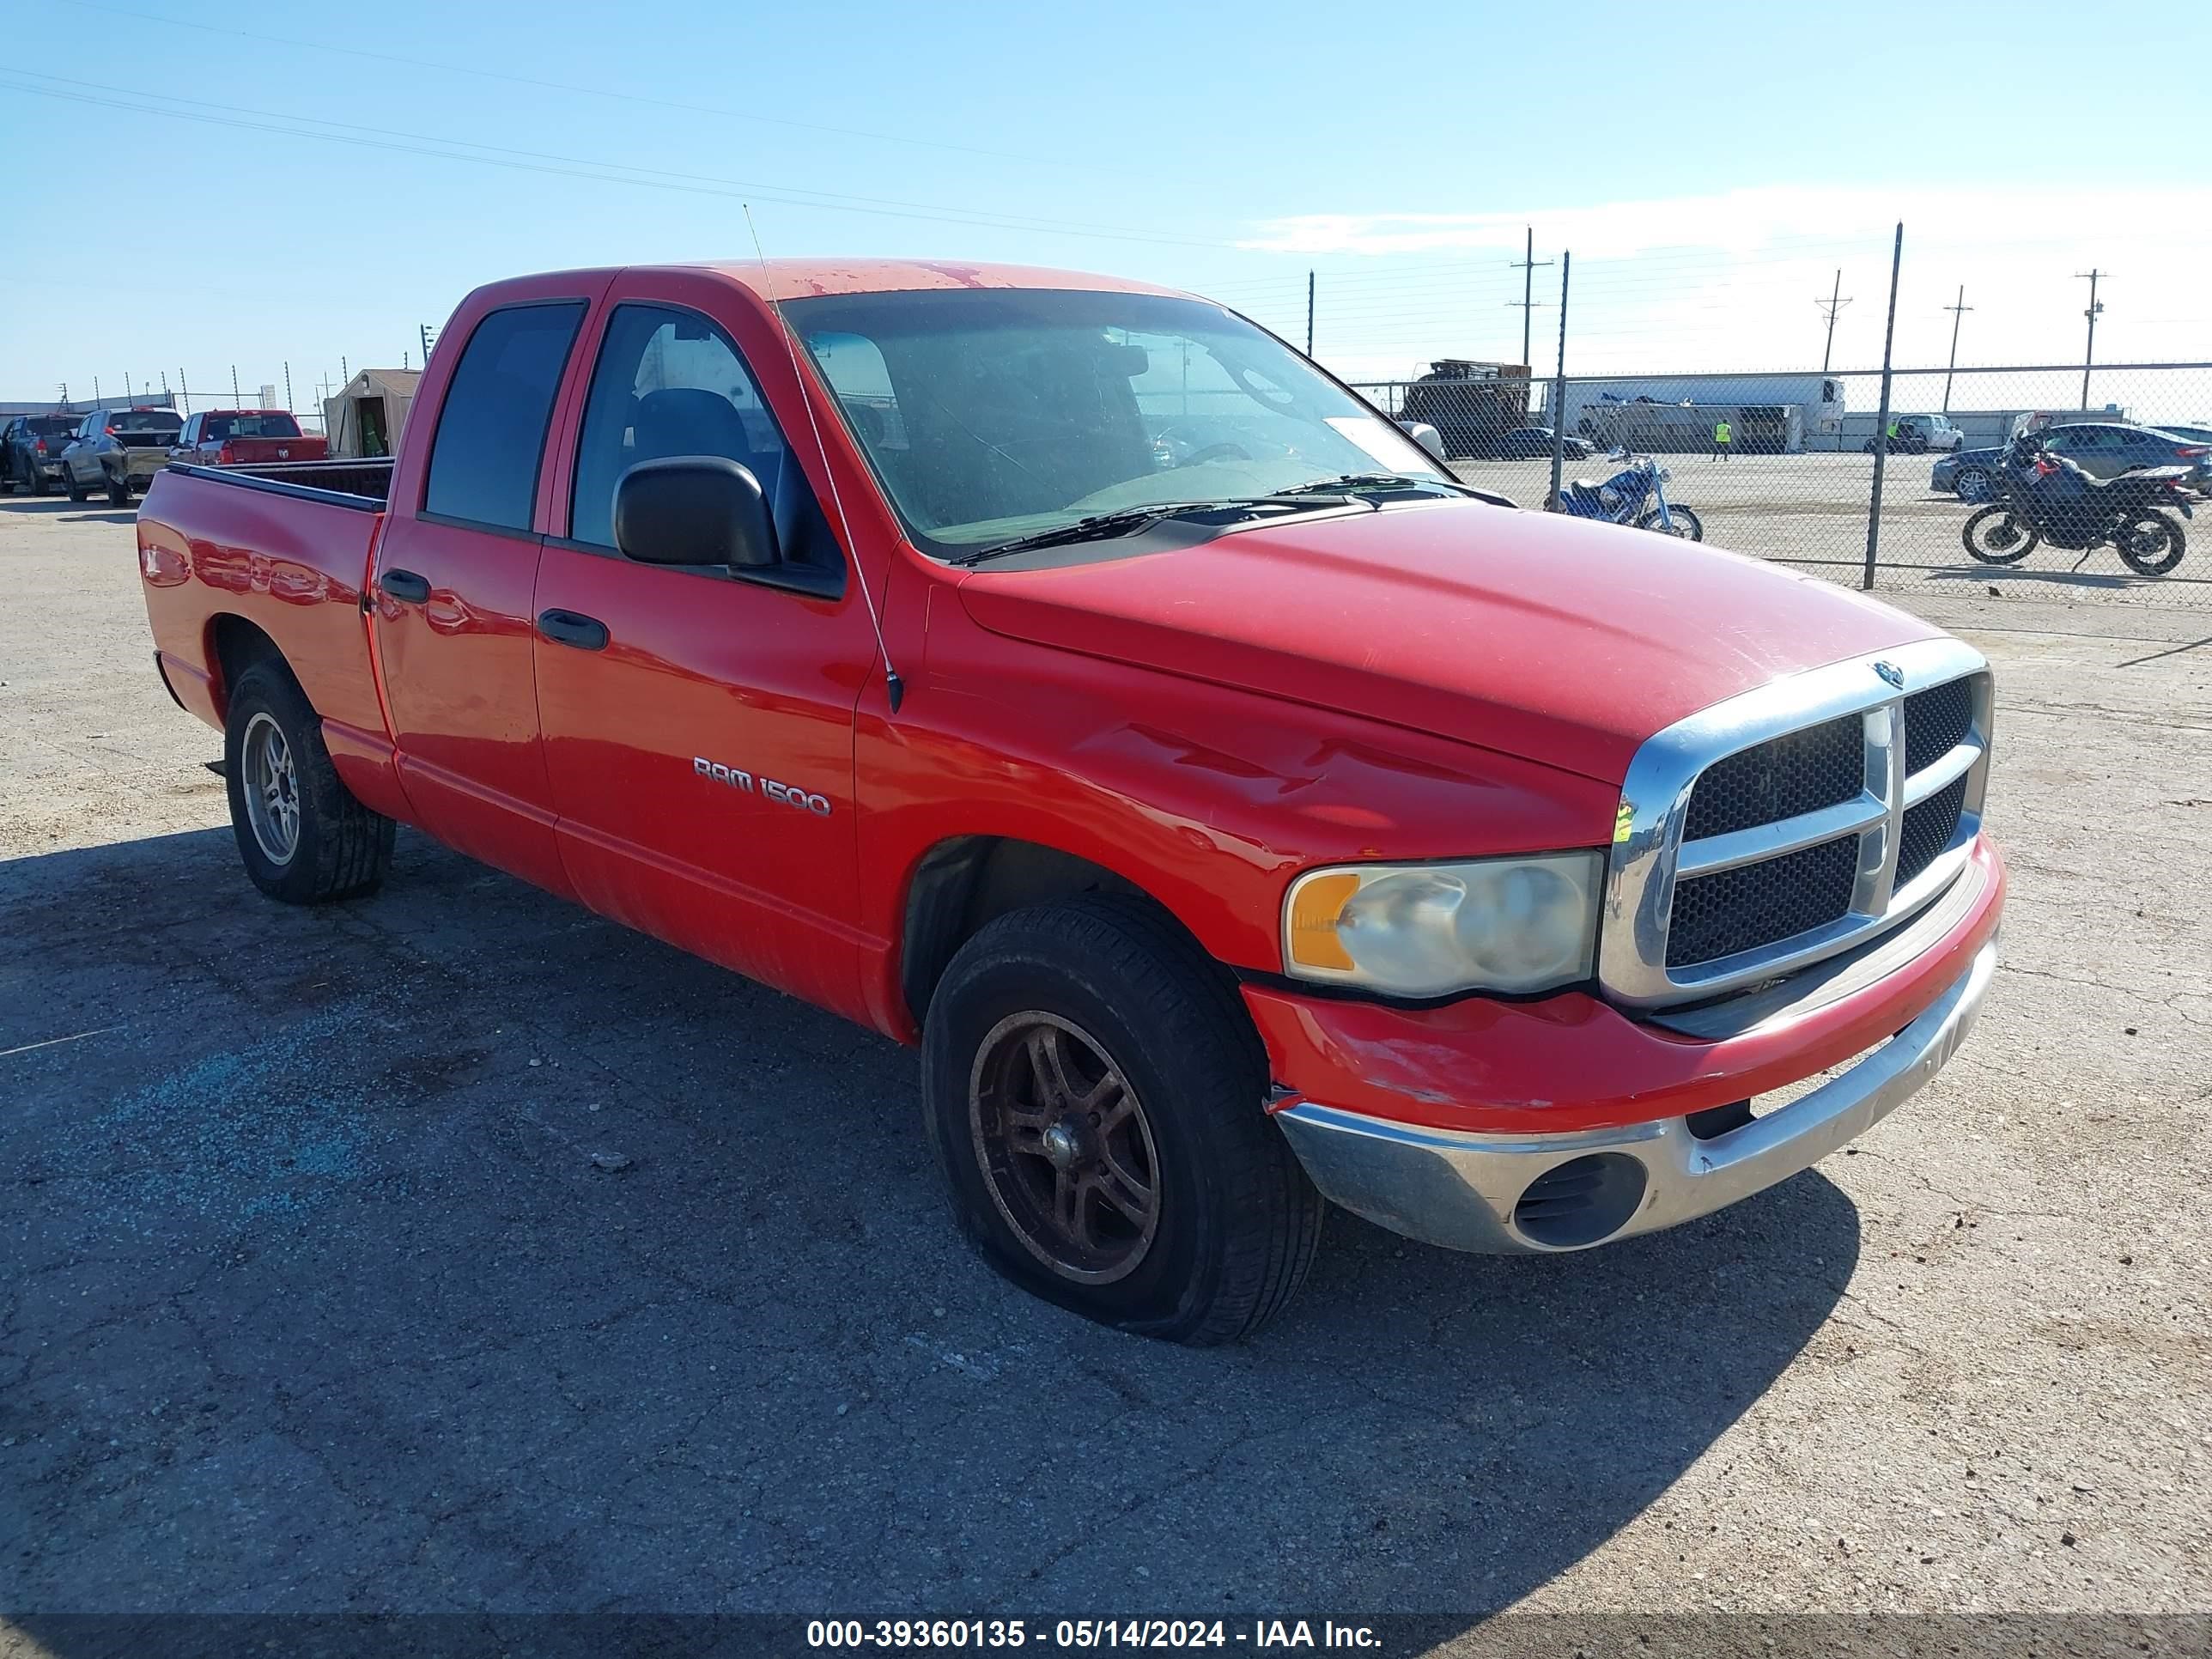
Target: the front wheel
pixel 1685 523
pixel 2151 543
pixel 303 837
pixel 1972 484
pixel 1995 536
pixel 1093 1091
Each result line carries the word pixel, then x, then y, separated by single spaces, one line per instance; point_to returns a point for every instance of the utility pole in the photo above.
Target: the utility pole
pixel 1310 308
pixel 235 398
pixel 288 383
pixel 428 333
pixel 1527 266
pixel 185 392
pixel 1835 302
pixel 2089 351
pixel 1957 315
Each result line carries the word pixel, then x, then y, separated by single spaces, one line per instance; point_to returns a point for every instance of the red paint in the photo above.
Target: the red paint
pixel 1205 723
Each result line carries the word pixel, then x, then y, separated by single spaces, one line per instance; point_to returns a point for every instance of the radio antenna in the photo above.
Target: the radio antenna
pixel 894 687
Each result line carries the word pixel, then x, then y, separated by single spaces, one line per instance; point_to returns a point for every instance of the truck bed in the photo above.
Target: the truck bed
pixel 284 547
pixel 354 483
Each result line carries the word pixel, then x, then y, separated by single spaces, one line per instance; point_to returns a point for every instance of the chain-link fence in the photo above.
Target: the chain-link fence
pixel 1782 466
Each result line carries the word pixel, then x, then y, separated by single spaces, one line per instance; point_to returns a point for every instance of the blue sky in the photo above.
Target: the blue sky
pixel 1712 166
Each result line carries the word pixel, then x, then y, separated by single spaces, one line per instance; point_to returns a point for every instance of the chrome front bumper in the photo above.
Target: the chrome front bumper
pixel 1466 1192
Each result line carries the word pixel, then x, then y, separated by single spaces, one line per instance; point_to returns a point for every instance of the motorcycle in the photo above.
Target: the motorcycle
pixel 1621 498
pixel 2047 498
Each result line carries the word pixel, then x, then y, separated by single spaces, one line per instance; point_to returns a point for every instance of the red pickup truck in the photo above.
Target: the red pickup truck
pixel 231 437
pixel 1065 676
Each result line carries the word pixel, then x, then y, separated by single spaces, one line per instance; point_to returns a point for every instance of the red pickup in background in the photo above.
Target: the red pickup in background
pixel 1065 676
pixel 234 437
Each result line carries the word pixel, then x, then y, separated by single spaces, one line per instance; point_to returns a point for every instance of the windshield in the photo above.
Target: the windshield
pixel 990 414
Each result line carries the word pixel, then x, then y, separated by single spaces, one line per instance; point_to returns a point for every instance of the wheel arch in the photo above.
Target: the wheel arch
pixel 961 884
pixel 234 644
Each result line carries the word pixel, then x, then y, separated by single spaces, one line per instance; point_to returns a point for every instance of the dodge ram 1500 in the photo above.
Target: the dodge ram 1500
pixel 1065 676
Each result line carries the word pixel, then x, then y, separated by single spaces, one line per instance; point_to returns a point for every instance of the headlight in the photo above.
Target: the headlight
pixel 1427 930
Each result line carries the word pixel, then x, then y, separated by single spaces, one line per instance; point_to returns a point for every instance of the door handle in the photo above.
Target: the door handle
pixel 405 585
pixel 572 628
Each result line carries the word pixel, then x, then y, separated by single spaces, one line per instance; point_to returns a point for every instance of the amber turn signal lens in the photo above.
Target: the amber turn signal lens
pixel 1314 942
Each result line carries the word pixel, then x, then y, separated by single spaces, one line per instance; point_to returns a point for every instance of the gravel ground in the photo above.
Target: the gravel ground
pixel 322 1295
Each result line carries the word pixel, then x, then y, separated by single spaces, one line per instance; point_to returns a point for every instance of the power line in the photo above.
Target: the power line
pixel 570 166
pixel 546 86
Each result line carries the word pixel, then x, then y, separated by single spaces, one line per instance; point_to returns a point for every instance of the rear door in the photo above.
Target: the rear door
pixel 454 574
pixel 699 741
pixel 81 461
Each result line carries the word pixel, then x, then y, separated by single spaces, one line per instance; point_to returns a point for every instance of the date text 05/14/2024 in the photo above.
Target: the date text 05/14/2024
pixel 979 1634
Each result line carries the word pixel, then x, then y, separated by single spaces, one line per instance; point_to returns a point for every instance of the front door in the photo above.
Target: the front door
pixel 699 722
pixel 452 597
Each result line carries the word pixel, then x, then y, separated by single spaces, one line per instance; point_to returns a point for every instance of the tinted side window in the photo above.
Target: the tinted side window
pixel 491 429
pixel 672 383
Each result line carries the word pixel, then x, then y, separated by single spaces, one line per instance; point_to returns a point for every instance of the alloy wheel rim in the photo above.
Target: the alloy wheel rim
pixel 1065 1148
pixel 270 784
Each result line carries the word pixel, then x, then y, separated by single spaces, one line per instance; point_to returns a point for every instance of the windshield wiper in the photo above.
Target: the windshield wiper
pixel 1361 482
pixel 1104 526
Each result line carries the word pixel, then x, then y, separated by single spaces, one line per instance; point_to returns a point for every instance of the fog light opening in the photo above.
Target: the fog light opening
pixel 1581 1201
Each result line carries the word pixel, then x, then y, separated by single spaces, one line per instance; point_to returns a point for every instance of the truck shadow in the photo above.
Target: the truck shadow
pixel 462 1252
pixel 31 505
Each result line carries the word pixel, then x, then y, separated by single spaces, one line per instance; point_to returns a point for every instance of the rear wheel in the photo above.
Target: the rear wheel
pixel 1995 536
pixel 1971 484
pixel 118 493
pixel 1093 1093
pixel 303 836
pixel 76 492
pixel 1687 524
pixel 2151 543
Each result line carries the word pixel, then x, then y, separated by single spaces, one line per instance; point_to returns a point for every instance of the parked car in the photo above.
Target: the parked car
pixel 228 437
pixel 1289 823
pixel 2102 449
pixel 1529 442
pixel 31 451
pixel 118 450
pixel 1918 435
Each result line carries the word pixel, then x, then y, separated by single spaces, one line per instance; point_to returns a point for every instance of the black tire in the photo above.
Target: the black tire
pixel 75 494
pixel 2151 543
pixel 339 849
pixel 119 495
pixel 1235 1221
pixel 1971 483
pixel 1687 526
pixel 2003 540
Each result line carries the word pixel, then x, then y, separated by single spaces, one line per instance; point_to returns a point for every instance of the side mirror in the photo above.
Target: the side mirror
pixel 1428 437
pixel 694 510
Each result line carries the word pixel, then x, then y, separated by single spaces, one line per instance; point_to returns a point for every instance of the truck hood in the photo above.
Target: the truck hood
pixel 1555 640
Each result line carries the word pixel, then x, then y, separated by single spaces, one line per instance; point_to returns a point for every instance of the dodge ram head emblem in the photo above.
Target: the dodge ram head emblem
pixel 1892 674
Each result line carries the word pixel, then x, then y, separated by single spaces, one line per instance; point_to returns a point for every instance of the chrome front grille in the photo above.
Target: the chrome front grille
pixel 1795 822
